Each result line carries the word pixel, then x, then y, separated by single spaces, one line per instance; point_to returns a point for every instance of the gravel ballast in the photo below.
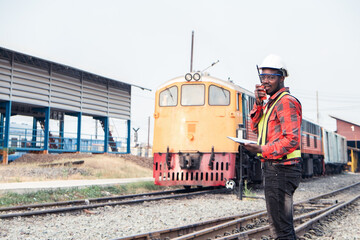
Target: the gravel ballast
pixel 120 221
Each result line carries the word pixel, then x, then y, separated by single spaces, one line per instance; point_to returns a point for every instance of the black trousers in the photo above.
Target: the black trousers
pixel 281 182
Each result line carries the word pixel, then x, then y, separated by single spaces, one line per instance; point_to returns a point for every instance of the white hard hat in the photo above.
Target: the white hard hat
pixel 274 62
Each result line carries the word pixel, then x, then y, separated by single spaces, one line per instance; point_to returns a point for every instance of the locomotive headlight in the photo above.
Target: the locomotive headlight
pixel 188 77
pixel 197 76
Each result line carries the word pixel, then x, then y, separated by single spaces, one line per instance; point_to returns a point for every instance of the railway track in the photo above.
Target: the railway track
pixel 254 225
pixel 76 205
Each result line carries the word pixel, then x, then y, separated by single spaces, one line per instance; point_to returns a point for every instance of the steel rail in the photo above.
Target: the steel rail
pixel 333 192
pixel 242 221
pixel 112 198
pixel 301 229
pixel 262 231
pixel 224 227
pixel 94 200
pixel 265 230
pixel 306 225
pixel 178 231
pixel 91 206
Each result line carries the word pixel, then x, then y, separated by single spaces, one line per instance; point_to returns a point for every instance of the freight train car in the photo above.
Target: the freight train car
pixel 195 113
pixel 335 151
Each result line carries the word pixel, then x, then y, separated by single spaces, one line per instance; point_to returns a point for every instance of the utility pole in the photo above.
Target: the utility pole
pixel 148 142
pixel 317 106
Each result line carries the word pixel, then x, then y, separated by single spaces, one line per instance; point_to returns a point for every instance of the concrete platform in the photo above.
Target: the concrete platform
pixel 24 187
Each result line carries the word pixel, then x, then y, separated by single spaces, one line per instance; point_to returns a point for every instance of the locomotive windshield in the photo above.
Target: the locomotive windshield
pixel 218 96
pixel 193 95
pixel 168 97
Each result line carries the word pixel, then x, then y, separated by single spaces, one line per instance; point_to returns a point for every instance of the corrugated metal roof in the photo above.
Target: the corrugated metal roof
pixel 62 69
pixel 25 79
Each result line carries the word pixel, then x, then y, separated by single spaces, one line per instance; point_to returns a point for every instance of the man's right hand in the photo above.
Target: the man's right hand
pixel 259 94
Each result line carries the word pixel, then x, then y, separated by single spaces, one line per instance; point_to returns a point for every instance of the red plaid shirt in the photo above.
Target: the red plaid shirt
pixel 284 126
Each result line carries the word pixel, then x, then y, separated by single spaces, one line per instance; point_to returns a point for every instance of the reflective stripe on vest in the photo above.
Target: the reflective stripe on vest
pixel 262 129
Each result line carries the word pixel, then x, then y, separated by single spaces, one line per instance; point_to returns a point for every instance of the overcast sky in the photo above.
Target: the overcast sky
pixel 147 43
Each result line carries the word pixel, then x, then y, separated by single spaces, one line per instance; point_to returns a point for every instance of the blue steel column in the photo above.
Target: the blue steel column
pixel 78 140
pixel 7 124
pixel 7 131
pixel 106 132
pixel 61 133
pixel 34 133
pixel 2 117
pixel 47 129
pixel 128 136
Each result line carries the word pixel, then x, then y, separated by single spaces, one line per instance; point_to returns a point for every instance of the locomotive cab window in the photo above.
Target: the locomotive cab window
pixel 193 95
pixel 238 96
pixel 218 96
pixel 168 97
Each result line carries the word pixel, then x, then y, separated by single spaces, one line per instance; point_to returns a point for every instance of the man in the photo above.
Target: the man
pixel 278 124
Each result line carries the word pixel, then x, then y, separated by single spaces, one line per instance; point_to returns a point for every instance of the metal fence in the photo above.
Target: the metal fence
pixel 25 139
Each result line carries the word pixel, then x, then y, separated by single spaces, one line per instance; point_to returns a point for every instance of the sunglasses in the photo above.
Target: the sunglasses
pixel 269 76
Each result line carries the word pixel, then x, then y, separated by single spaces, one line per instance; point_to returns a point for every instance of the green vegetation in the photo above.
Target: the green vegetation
pixel 247 191
pixel 13 199
pixel 11 151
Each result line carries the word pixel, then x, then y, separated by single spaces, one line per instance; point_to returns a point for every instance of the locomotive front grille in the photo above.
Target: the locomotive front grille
pixel 194 169
pixel 190 160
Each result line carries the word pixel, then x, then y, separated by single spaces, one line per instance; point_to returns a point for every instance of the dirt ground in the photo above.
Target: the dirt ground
pixel 45 167
pixel 50 158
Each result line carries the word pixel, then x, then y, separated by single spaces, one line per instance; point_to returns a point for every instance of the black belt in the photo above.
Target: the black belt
pixel 277 162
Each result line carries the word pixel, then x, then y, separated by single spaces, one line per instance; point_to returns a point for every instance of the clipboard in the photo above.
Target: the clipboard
pixel 241 141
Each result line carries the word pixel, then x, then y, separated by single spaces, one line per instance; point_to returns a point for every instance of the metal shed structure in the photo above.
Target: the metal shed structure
pixel 46 90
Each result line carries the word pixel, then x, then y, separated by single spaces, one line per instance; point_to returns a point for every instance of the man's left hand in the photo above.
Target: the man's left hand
pixel 254 148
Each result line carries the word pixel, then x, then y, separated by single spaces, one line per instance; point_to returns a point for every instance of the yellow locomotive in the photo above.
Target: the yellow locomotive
pixel 194 114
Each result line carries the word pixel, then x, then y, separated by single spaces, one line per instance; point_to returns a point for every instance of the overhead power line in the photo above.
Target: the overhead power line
pixel 343 108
